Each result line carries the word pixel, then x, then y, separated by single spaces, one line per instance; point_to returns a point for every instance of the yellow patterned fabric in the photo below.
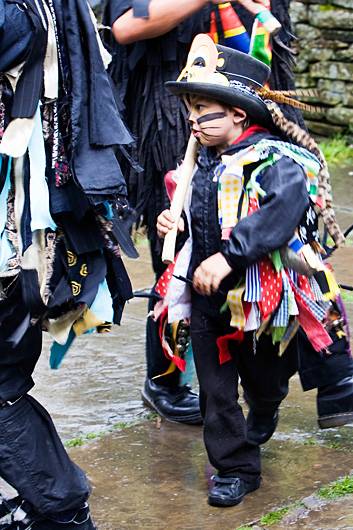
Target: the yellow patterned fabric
pixel 234 300
pixel 87 322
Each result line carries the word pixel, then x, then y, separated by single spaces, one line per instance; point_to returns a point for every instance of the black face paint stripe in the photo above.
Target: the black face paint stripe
pixel 211 116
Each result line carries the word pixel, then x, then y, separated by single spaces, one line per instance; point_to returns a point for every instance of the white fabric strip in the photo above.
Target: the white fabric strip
pixel 38 188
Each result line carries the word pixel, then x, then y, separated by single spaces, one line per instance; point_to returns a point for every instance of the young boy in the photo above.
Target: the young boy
pixel 249 198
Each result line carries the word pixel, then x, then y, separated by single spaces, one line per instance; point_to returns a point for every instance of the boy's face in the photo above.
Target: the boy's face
pixel 214 124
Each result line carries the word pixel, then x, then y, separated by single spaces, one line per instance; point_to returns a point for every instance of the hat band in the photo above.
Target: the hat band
pixel 245 89
pixel 242 77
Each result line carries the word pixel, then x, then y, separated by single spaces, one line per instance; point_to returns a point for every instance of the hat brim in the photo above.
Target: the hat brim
pixel 254 107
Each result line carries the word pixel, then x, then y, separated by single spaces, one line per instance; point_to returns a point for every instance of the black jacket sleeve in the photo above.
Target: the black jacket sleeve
pixel 274 223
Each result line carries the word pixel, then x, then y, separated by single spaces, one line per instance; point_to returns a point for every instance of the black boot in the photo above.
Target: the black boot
pixel 230 491
pixel 335 404
pixel 261 426
pixel 178 404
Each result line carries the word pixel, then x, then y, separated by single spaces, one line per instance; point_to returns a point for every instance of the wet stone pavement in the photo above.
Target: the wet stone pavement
pixel 155 474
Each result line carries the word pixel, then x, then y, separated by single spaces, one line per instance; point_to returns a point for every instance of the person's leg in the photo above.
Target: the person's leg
pixel 33 459
pixel 265 379
pixel 236 460
pixel 332 375
pixel 166 395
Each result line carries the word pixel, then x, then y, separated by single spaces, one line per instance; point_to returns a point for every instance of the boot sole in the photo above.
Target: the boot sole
pixel 225 503
pixel 191 419
pixel 335 420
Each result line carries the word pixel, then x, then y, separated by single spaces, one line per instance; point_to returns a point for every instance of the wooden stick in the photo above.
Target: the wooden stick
pixel 178 199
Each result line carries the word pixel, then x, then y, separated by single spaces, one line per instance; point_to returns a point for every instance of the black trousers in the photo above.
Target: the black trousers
pixel 317 371
pixel 156 361
pixel 264 376
pixel 32 457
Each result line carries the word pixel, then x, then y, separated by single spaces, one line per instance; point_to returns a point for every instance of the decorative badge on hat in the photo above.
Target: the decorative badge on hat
pixel 202 62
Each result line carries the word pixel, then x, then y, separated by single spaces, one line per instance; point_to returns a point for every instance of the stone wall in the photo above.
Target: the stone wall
pixel 324 29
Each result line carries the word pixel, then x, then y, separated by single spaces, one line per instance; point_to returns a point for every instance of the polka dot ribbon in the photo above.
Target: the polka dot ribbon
pixel 271 287
pixel 163 282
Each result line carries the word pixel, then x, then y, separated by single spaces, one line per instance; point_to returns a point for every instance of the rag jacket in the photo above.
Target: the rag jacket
pixel 256 205
pixel 62 194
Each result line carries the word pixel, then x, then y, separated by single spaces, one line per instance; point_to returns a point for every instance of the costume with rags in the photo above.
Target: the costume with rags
pixel 62 212
pixel 258 204
pixel 159 124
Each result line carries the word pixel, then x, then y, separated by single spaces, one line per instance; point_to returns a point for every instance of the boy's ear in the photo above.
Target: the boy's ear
pixel 239 115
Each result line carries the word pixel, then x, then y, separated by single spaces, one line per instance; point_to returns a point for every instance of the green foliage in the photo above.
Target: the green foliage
pixel 337 150
pixel 339 488
pixel 152 416
pixel 334 445
pixel 244 528
pixel 311 441
pixel 275 516
pixel 75 442
pixel 120 425
pixel 327 7
pixel 78 441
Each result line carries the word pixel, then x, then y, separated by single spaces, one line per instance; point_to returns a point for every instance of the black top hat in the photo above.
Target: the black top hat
pixel 226 75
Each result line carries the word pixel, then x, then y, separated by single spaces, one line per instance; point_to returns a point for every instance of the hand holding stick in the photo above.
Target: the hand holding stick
pixel 179 197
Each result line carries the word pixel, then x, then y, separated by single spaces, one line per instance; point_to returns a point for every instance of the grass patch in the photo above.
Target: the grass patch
pixel 337 150
pixel 75 442
pixel 81 440
pixel 121 425
pixel 78 441
pixel 339 488
pixel 311 441
pixel 275 516
pixel 334 445
pixel 326 8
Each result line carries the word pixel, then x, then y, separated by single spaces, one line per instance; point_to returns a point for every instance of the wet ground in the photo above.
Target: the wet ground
pixel 155 475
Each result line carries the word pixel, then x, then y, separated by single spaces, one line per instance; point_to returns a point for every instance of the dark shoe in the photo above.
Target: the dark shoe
pixel 179 404
pixel 335 404
pixel 261 426
pixel 229 491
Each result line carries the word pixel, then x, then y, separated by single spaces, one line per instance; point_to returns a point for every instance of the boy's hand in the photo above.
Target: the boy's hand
pixel 210 273
pixel 165 223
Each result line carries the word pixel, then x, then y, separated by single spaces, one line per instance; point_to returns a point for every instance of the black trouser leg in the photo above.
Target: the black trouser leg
pixel 34 461
pixel 224 423
pixel 32 457
pixel 264 374
pixel 156 361
pixel 318 370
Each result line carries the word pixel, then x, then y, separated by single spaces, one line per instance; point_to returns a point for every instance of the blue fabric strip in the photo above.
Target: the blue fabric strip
pixel 5 248
pixel 252 284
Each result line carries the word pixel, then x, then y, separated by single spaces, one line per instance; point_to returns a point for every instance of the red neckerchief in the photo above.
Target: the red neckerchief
pixel 249 132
